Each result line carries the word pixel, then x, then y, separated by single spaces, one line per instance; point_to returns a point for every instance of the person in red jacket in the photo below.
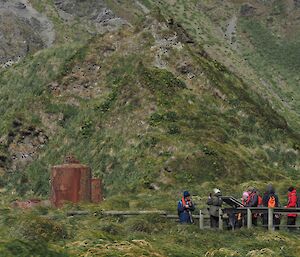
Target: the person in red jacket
pixel 292 203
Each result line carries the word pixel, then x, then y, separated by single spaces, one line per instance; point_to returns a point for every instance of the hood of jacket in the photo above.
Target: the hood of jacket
pixel 294 192
pixel 270 189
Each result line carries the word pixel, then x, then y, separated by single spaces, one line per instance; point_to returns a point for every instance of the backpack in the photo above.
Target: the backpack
pixel 272 202
pixel 260 201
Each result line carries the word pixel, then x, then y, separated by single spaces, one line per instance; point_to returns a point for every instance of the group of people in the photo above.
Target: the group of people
pixel 250 198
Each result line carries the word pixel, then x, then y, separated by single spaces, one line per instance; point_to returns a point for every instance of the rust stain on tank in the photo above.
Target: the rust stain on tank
pixel 96 190
pixel 70 183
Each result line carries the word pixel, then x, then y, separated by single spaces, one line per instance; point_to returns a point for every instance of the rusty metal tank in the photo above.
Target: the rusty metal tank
pixel 70 182
pixel 97 190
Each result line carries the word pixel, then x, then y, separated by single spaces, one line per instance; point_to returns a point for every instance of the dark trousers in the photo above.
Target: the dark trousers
pixel 291 221
pixel 214 222
pixel 254 220
pixel 276 221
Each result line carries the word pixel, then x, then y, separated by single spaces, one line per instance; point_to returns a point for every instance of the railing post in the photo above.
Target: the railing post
pixel 220 220
pixel 270 218
pixel 201 220
pixel 249 218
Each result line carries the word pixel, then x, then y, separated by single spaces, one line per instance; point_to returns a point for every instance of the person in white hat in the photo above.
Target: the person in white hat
pixel 214 202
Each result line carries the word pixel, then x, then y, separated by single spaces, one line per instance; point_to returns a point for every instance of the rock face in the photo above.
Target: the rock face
pixel 247 10
pixel 94 11
pixel 80 8
pixel 21 146
pixel 22 30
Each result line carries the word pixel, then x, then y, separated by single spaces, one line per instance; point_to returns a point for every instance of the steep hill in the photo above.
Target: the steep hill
pixel 148 105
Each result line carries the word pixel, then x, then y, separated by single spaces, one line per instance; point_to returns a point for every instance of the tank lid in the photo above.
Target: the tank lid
pixel 70 165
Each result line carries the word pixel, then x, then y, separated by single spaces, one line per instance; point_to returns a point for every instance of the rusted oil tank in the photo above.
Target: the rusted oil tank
pixel 70 182
pixel 97 190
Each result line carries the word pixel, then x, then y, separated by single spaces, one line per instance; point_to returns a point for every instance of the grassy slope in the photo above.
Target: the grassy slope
pixel 143 117
pixel 136 125
pixel 263 57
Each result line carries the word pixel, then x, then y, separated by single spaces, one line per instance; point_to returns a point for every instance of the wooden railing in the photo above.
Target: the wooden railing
pixel 249 211
pixel 202 216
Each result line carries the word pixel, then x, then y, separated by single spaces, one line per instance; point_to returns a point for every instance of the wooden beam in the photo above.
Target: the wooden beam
pixel 76 213
pixel 201 220
pixel 220 219
pixel 249 218
pixel 116 213
pixel 270 219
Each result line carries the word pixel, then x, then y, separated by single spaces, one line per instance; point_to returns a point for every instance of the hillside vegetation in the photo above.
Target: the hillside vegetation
pixel 156 99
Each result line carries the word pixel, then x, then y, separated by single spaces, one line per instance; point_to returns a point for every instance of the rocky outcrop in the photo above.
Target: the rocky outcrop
pixel 247 10
pixel 21 146
pixel 94 11
pixel 22 30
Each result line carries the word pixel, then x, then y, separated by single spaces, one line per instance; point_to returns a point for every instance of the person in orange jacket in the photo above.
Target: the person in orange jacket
pixel 292 203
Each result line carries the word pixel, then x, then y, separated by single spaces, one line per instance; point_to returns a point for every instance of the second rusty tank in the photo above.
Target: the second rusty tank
pixel 96 190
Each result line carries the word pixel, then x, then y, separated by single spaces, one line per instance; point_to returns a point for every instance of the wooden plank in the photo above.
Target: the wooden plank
pixel 78 213
pixel 116 213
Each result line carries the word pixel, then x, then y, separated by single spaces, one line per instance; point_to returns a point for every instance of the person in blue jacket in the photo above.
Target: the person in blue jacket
pixel 185 208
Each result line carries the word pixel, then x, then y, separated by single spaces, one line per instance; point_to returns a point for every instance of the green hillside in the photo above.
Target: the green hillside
pixel 156 100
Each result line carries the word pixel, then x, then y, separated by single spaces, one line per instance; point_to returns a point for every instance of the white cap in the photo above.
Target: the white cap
pixel 216 190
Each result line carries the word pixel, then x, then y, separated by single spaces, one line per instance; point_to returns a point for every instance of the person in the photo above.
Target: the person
pixel 185 208
pixel 244 197
pixel 241 216
pixel 252 201
pixel 292 203
pixel 215 203
pixel 271 200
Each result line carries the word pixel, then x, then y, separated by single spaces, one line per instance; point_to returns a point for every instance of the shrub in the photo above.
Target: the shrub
pixel 42 229
pixel 173 129
pixel 24 249
pixel 140 225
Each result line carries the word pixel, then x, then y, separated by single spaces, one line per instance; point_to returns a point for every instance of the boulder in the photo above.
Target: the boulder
pixel 247 10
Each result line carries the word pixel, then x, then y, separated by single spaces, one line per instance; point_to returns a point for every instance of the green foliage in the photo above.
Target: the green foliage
pixel 277 52
pixel 158 80
pixel 20 248
pixel 40 228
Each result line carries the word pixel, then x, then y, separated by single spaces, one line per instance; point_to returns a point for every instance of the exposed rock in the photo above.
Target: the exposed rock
pixel 94 11
pixel 247 10
pixel 182 34
pixel 261 252
pixel 222 252
pixel 105 15
pixel 21 145
pixel 163 43
pixel 169 164
pixel 20 5
pixel 154 186
pixel 23 30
